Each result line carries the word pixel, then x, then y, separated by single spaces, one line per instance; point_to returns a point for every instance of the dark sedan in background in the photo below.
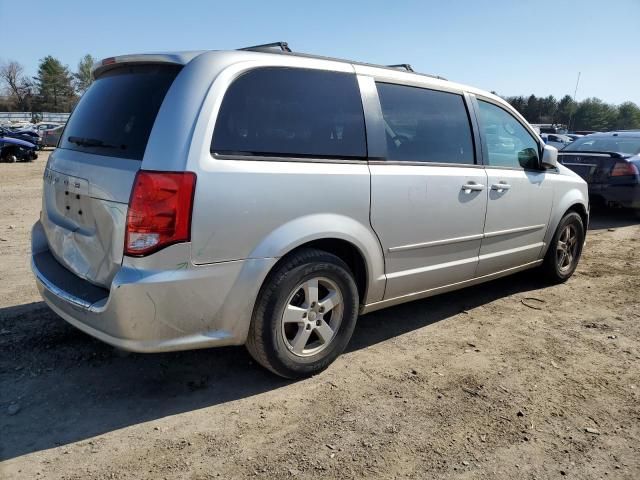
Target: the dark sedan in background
pixel 51 137
pixel 610 164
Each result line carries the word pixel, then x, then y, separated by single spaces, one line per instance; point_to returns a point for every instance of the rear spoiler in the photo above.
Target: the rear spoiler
pixel 180 58
pixel 593 154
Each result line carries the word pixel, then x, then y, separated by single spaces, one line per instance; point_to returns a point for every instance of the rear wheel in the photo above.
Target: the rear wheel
pixel 564 252
pixel 305 314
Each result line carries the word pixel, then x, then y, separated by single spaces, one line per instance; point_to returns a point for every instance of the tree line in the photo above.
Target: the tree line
pixel 588 114
pixel 56 89
pixel 53 89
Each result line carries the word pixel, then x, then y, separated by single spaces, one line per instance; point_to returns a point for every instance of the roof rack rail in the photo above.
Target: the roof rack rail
pixel 283 46
pixel 404 66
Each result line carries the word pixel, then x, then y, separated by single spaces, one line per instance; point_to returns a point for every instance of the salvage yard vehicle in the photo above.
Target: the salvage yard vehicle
pixel 267 198
pixel 27 136
pixel 558 141
pixel 51 137
pixel 16 150
pixel 610 164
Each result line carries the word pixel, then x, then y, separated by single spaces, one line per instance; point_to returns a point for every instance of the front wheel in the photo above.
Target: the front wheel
pixel 564 252
pixel 305 314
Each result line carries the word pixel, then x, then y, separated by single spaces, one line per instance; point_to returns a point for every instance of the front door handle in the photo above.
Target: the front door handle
pixel 500 187
pixel 472 187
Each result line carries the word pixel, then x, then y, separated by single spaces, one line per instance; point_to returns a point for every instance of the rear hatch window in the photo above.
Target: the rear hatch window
pixel 115 116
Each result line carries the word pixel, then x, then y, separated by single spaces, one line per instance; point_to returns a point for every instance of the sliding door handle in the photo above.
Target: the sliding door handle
pixel 472 187
pixel 500 187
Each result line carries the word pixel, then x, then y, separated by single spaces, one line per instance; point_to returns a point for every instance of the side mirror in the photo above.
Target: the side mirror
pixel 549 157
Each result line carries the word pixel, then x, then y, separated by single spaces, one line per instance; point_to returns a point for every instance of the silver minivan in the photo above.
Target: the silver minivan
pixel 269 198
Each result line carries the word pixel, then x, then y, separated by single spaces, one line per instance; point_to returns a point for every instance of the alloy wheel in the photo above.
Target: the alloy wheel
pixel 312 316
pixel 567 248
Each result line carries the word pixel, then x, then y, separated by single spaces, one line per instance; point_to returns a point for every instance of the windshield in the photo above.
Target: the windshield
pixel 115 116
pixel 628 145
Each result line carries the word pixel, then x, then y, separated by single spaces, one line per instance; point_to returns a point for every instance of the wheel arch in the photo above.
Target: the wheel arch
pixel 342 236
pixel 572 201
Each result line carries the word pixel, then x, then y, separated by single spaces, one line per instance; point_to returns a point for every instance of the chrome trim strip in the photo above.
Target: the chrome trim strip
pixel 262 158
pixel 517 169
pixel 431 268
pixel 468 238
pixel 585 154
pixel 533 246
pixel 498 233
pixel 580 164
pixel 425 164
pixel 436 243
pixel 57 291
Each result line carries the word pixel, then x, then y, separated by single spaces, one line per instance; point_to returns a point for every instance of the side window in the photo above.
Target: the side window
pixel 509 144
pixel 425 125
pixel 292 112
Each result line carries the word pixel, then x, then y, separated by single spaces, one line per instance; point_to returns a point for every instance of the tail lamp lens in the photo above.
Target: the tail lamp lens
pixel 159 211
pixel 621 169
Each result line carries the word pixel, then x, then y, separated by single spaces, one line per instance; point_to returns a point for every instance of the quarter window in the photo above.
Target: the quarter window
pixel 292 112
pixel 425 125
pixel 508 143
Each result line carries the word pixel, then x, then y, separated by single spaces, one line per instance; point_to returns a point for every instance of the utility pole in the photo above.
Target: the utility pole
pixel 575 92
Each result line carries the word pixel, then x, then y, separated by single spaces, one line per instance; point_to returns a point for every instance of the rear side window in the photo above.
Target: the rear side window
pixel 115 116
pixel 292 112
pixel 425 125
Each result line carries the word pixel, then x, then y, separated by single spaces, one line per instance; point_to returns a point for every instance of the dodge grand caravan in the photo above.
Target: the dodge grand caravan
pixel 269 198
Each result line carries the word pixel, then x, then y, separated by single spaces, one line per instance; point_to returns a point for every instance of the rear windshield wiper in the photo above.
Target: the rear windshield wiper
pixel 93 142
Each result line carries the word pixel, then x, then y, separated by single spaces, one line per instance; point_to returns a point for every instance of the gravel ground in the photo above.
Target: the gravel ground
pixel 471 384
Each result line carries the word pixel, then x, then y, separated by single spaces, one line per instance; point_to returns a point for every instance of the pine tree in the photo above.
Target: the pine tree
pixel 83 77
pixel 54 86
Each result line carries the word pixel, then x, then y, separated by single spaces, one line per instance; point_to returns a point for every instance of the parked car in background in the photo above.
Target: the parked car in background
pixel 15 150
pixel 26 135
pixel 41 126
pixel 550 128
pixel 573 136
pixel 610 164
pixel 268 198
pixel 33 135
pixel 555 140
pixel 50 137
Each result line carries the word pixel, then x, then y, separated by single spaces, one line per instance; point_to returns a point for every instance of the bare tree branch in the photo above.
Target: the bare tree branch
pixel 19 86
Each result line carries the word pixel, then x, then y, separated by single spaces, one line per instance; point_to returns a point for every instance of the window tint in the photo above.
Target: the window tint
pixel 115 116
pixel 509 144
pixel 292 112
pixel 425 125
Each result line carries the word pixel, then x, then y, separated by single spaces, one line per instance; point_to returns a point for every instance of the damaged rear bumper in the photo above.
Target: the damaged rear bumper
pixel 150 307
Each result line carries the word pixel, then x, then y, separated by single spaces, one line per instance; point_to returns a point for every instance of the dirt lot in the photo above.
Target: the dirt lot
pixel 472 384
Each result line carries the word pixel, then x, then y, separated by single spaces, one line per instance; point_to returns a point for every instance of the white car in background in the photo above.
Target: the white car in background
pixel 556 140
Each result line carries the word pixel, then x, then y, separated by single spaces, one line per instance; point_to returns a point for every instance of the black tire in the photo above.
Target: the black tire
pixel 267 339
pixel 552 269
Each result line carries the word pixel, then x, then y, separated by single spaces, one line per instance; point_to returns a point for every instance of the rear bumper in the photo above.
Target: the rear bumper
pixel 623 195
pixel 151 310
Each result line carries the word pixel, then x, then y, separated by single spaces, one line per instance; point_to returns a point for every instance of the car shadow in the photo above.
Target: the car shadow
pixel 604 218
pixel 71 387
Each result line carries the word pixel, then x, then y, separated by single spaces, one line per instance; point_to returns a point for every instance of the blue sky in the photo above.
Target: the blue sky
pixel 510 46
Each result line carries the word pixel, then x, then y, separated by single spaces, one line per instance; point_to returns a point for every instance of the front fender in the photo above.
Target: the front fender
pixel 303 230
pixel 576 195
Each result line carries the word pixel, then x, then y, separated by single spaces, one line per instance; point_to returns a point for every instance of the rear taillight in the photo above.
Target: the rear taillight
pixel 159 211
pixel 621 169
